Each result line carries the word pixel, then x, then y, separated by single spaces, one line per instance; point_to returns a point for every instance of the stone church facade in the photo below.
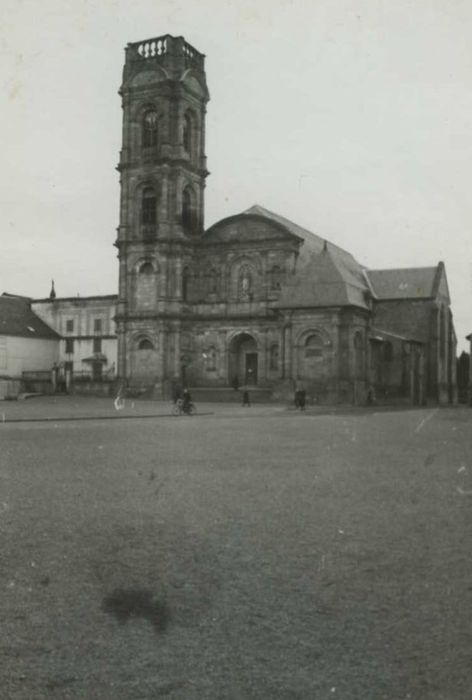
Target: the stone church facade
pixel 255 297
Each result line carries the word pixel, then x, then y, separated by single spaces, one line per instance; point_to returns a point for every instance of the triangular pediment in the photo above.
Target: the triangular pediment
pixel 248 228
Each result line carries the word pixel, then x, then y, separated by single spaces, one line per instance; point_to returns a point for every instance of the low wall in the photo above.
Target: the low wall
pixel 10 389
pixel 91 388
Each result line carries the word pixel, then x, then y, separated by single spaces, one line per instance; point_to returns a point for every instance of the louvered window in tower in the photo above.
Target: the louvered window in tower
pixel 149 202
pixel 188 209
pixel 150 129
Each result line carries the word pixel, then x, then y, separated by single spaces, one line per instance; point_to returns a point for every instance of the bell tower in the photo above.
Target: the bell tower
pixel 162 170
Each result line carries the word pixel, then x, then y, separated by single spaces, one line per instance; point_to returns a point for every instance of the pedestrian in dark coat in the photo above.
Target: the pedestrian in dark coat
pixel 302 399
pixel 246 401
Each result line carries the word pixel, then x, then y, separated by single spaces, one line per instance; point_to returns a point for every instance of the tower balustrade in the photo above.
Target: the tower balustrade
pixel 166 45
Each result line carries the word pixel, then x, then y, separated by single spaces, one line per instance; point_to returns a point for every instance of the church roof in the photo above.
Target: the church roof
pixel 326 275
pixel 17 319
pixel 408 283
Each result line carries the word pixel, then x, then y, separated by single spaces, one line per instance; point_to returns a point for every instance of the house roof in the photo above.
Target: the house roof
pixel 380 334
pixel 54 300
pixel 408 283
pixel 17 319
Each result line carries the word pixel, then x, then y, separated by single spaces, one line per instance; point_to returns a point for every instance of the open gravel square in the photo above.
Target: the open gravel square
pixel 236 554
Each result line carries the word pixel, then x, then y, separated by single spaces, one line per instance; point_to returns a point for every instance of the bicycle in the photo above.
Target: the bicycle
pixel 181 409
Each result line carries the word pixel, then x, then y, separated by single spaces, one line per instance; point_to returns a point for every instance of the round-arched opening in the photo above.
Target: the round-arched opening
pixel 150 129
pixel 189 209
pixel 148 206
pixel 145 344
pixel 243 360
pixel 146 268
pixel 313 356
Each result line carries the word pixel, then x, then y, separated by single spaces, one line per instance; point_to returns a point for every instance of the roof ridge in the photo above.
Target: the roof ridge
pixel 281 218
pixel 401 269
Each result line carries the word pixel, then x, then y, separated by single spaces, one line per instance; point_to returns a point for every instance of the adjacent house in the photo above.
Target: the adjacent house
pixel 27 344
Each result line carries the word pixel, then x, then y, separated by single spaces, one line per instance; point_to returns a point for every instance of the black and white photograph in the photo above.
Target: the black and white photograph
pixel 235 340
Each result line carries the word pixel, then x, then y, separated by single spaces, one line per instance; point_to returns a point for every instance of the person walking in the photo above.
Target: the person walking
pixel 246 401
pixel 186 401
pixel 302 399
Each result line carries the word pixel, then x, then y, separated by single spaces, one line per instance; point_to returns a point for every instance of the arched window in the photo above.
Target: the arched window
pixel 148 206
pixel 274 358
pixel 146 268
pixel 314 346
pixel 188 135
pixel 275 278
pixel 150 129
pixel 145 344
pixel 188 209
pixel 185 283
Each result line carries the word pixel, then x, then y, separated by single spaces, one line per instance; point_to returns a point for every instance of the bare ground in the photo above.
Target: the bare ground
pixel 243 555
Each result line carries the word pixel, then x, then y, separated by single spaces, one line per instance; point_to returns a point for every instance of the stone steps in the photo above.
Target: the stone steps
pixel 229 395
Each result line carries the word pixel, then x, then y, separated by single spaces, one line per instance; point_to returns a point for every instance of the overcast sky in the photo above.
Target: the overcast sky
pixel 351 117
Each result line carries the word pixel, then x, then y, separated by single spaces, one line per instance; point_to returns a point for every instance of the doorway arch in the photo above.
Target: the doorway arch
pixel 243 359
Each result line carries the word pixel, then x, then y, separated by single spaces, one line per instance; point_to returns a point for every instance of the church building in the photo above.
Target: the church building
pixel 255 299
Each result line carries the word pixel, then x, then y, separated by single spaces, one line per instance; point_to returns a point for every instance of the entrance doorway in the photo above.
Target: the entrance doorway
pixel 251 368
pixel 243 360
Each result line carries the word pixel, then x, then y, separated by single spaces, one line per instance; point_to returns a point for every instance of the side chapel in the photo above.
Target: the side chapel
pixel 255 298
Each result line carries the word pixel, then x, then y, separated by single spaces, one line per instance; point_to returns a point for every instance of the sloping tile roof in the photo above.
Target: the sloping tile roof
pixel 17 319
pixel 326 274
pixel 408 283
pixel 379 334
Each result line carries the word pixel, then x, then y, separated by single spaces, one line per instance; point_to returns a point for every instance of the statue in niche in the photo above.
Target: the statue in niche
pixel 245 283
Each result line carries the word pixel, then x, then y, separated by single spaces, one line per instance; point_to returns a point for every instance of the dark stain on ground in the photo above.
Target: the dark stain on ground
pixel 125 603
pixel 429 460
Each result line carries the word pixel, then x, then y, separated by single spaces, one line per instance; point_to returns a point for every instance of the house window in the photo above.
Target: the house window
pixel 69 325
pixel 148 209
pixel 69 346
pixel 3 353
pixel 97 325
pixel 97 345
pixel 150 129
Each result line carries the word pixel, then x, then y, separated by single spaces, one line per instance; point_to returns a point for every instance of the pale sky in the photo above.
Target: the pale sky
pixel 353 118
